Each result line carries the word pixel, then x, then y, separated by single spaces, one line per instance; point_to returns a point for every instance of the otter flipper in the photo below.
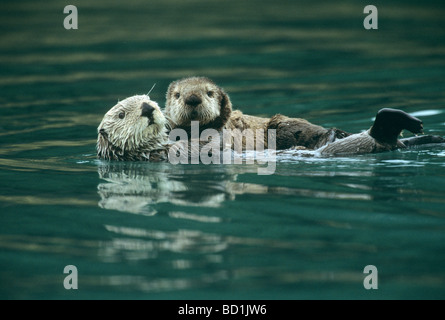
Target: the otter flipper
pixel 389 123
pixel 422 140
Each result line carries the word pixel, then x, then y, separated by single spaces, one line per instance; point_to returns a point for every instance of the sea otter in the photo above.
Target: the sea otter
pixel 200 99
pixel 134 129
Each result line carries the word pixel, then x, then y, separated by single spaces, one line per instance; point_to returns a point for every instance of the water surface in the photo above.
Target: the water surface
pixel 159 231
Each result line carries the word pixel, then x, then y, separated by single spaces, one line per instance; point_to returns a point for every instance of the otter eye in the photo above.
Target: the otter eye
pixel 210 94
pixel 177 95
pixel 121 115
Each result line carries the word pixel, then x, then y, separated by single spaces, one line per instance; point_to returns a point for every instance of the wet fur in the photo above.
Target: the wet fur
pixel 217 113
pixel 214 111
pixel 128 133
pixel 382 136
pixel 135 137
pixel 290 132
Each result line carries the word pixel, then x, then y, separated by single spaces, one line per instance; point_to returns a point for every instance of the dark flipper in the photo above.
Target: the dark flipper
pixel 421 140
pixel 389 123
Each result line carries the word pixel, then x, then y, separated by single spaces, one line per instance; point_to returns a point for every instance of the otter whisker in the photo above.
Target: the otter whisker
pixel 169 123
pixel 151 89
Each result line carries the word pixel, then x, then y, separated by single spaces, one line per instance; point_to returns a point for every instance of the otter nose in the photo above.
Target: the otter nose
pixel 147 110
pixel 193 100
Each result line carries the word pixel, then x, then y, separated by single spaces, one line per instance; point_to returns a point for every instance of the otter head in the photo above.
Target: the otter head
pixel 197 99
pixel 389 124
pixel 131 129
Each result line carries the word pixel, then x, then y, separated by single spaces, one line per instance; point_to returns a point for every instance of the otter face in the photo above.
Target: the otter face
pixel 131 129
pixel 197 99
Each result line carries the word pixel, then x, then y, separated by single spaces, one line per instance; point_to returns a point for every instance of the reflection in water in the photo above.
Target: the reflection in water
pixel 138 187
pixel 194 249
pixel 147 284
pixel 136 243
pixel 141 187
pixel 178 250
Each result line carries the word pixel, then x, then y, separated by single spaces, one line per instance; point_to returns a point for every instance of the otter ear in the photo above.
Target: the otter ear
pixel 226 107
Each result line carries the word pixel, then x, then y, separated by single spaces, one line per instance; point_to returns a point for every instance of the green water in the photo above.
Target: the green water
pixel 160 231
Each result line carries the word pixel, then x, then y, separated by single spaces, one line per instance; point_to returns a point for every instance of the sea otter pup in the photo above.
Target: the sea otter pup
pixel 200 99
